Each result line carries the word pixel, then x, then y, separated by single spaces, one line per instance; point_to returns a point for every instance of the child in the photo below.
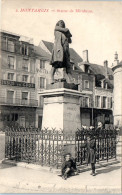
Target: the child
pixel 90 144
pixel 68 167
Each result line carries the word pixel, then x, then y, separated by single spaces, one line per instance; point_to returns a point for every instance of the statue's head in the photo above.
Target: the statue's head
pixel 60 23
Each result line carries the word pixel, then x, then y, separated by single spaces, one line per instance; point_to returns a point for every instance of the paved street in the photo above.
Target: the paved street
pixel 14 179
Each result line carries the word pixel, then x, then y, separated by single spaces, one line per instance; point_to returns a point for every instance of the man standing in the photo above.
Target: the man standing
pixel 90 146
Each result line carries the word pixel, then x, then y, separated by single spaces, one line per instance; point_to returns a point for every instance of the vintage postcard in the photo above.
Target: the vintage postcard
pixel 61 96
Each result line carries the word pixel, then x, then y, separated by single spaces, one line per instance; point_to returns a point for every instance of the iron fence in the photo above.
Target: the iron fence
pixel 106 141
pixel 47 147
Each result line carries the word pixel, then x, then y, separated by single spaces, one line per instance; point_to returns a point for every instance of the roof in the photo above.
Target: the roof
pixel 38 51
pixel 49 45
pixel 75 56
pixel 98 69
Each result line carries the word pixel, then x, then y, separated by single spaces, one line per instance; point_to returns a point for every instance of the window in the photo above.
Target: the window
pixel 97 101
pixel 10 46
pixel 86 84
pixel 11 76
pixel 22 121
pixel 104 102
pixel 25 78
pixel 24 95
pixel 11 62
pixel 4 41
pixel 14 117
pixel 104 85
pixel 86 101
pixel 24 98
pixel 10 95
pixel 24 49
pixel 109 102
pixel 42 82
pixel 25 65
pixel 42 64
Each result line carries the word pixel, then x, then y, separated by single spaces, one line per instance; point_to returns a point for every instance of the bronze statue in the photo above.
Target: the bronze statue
pixel 60 54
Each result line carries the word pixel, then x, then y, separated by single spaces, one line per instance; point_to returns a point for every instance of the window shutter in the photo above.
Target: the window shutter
pixel 4 61
pixel 31 79
pixel 4 45
pixel 20 78
pixel 32 65
pixel 41 101
pixel 95 101
pixel 4 76
pixel 108 102
pixel 111 103
pixel 19 63
pixel 11 46
pixel 84 101
pixel 32 95
pixel 101 101
pixel 17 48
pixel 89 102
pixel 39 82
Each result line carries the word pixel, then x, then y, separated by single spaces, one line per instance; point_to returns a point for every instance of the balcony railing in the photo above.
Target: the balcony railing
pixel 18 102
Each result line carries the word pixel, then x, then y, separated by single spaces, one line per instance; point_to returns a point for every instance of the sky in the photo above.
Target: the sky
pixel 99 30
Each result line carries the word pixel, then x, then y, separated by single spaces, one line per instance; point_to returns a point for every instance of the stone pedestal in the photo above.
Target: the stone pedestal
pixel 61 109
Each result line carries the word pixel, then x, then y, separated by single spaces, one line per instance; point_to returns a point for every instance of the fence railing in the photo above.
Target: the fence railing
pixel 106 141
pixel 47 147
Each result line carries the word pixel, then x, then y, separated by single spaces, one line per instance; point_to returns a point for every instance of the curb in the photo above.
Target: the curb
pixel 81 168
pixel 59 188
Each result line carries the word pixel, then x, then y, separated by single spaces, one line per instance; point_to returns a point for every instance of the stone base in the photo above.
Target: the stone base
pixel 61 109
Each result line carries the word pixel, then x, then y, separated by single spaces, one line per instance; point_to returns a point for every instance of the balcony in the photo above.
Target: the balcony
pixel 18 102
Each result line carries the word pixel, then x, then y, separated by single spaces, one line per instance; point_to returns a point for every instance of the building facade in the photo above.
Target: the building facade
pixel 18 96
pixel 25 71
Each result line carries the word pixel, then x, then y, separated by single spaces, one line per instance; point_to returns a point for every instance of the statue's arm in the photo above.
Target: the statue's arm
pixel 64 30
pixel 69 40
pixel 68 34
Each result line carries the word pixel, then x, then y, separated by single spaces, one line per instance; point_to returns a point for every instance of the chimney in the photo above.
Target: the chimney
pixel 106 68
pixel 85 56
pixel 116 61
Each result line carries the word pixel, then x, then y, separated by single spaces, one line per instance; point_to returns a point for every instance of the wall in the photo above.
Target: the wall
pixel 2 145
pixel 118 96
